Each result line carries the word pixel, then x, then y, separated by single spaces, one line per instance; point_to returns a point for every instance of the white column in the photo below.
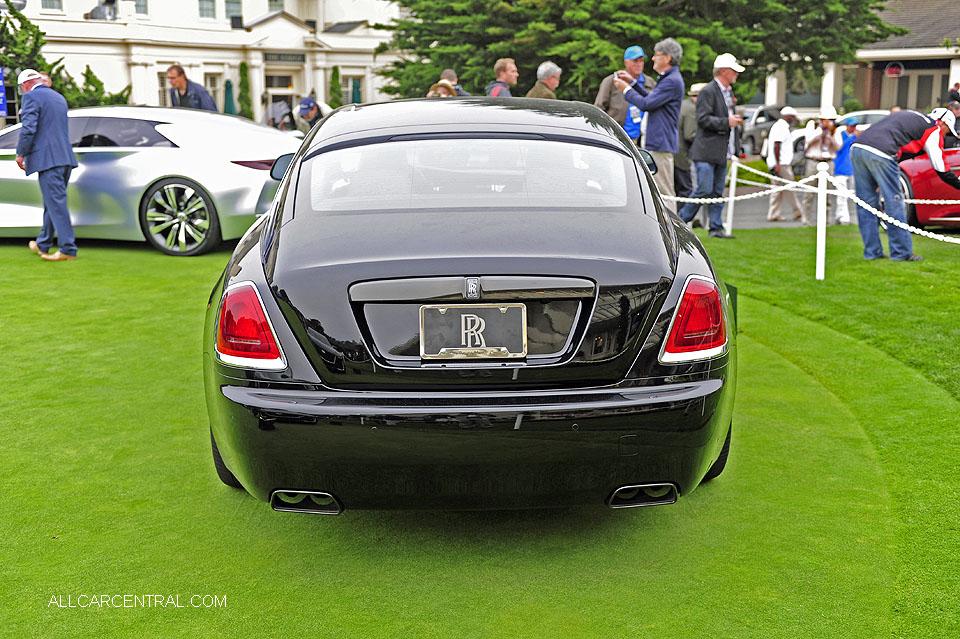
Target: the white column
pixel 775 91
pixel 257 83
pixel 831 87
pixel 954 71
pixel 139 93
pixel 368 91
pixel 320 82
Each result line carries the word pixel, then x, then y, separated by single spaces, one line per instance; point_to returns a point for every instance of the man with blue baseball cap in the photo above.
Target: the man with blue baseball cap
pixel 611 99
pixel 309 114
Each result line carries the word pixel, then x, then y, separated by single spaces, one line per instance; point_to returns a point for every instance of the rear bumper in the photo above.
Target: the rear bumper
pixel 469 450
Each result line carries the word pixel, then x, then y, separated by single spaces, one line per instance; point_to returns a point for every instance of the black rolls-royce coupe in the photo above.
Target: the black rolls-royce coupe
pixel 467 304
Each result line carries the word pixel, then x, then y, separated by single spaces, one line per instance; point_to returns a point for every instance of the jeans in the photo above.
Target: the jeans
pixel 709 184
pixel 870 173
pixel 56 218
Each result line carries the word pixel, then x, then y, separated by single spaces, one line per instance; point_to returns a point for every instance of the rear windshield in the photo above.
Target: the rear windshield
pixel 468 173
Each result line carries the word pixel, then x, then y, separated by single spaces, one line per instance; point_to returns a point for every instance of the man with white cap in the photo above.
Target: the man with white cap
pixel 780 162
pixel 716 141
pixel 44 148
pixel 875 155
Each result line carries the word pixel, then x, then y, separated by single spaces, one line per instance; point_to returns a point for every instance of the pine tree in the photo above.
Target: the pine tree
pixel 587 38
pixel 20 45
pixel 336 99
pixel 243 92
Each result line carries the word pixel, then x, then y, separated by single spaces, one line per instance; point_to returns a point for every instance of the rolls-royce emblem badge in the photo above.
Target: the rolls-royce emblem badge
pixel 472 290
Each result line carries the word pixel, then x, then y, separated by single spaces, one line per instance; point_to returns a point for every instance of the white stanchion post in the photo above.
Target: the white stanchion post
pixel 731 201
pixel 822 175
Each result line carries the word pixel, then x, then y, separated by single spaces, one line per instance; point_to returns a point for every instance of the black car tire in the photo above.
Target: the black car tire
pixel 907 188
pixel 721 462
pixel 749 146
pixel 222 471
pixel 177 217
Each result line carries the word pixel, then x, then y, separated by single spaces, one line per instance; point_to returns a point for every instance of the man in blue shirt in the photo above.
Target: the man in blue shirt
pixel 843 168
pixel 662 105
pixel 184 93
pixel 44 149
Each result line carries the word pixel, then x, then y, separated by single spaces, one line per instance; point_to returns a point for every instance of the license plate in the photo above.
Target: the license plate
pixel 473 331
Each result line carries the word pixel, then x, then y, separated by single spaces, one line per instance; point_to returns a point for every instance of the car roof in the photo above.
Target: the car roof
pixel 482 115
pixel 162 114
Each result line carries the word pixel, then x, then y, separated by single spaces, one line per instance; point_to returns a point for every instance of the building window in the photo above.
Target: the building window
pixel 12 111
pixel 212 83
pixel 233 8
pixel 208 9
pixel 52 4
pixel 141 7
pixel 279 81
pixel 164 100
pixel 276 5
pixel 351 89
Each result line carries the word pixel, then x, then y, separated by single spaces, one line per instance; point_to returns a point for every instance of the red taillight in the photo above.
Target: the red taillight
pixel 698 330
pixel 263 165
pixel 244 336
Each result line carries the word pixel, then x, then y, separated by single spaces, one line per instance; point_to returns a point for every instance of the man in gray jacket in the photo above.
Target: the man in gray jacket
pixel 611 100
pixel 682 176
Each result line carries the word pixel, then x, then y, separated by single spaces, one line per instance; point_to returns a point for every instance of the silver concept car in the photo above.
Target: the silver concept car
pixel 182 179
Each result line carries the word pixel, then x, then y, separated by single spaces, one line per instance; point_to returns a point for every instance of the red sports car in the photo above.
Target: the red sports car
pixel 919 181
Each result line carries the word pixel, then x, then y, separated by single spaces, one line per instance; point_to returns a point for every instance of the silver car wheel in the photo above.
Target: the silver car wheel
pixel 177 217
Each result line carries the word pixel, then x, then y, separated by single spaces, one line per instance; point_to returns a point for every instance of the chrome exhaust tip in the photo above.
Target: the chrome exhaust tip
pixel 637 495
pixel 305 501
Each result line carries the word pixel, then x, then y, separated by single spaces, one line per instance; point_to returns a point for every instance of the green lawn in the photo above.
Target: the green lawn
pixel 837 514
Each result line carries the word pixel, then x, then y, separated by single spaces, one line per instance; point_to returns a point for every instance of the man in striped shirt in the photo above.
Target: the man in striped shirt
pixel 876 173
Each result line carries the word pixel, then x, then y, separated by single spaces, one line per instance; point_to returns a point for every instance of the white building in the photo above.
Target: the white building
pixel 912 71
pixel 290 46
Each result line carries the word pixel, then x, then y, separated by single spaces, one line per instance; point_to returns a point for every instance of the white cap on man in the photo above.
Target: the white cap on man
pixel 828 112
pixel 727 61
pixel 28 74
pixel 788 111
pixel 947 117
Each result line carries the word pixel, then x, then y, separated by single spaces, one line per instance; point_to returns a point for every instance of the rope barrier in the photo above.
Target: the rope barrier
pixel 748 196
pixel 890 220
pixel 800 186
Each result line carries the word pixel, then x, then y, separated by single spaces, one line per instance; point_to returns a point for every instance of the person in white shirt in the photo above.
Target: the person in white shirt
pixel 779 160
pixel 822 146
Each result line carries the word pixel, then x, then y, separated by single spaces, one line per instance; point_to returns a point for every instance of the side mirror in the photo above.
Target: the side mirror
pixel 280 166
pixel 647 159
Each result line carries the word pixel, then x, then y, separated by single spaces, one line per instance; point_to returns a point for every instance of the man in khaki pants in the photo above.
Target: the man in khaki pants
pixel 779 160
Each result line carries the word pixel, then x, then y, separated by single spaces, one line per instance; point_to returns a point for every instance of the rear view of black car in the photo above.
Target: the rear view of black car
pixel 466 304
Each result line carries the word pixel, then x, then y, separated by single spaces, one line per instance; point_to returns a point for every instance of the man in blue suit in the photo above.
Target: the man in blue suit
pixel 44 148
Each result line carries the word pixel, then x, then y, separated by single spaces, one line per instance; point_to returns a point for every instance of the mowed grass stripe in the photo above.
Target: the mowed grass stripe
pixel 912 423
pixel 120 437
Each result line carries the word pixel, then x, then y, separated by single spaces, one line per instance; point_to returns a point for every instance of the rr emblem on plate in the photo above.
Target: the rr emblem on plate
pixel 471 290
pixel 471 331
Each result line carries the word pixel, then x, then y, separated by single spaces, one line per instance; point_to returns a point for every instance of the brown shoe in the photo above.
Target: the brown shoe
pixel 58 257
pixel 36 248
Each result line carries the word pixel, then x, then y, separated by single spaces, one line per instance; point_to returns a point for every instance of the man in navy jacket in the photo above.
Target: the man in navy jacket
pixel 662 105
pixel 44 148
pixel 186 93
